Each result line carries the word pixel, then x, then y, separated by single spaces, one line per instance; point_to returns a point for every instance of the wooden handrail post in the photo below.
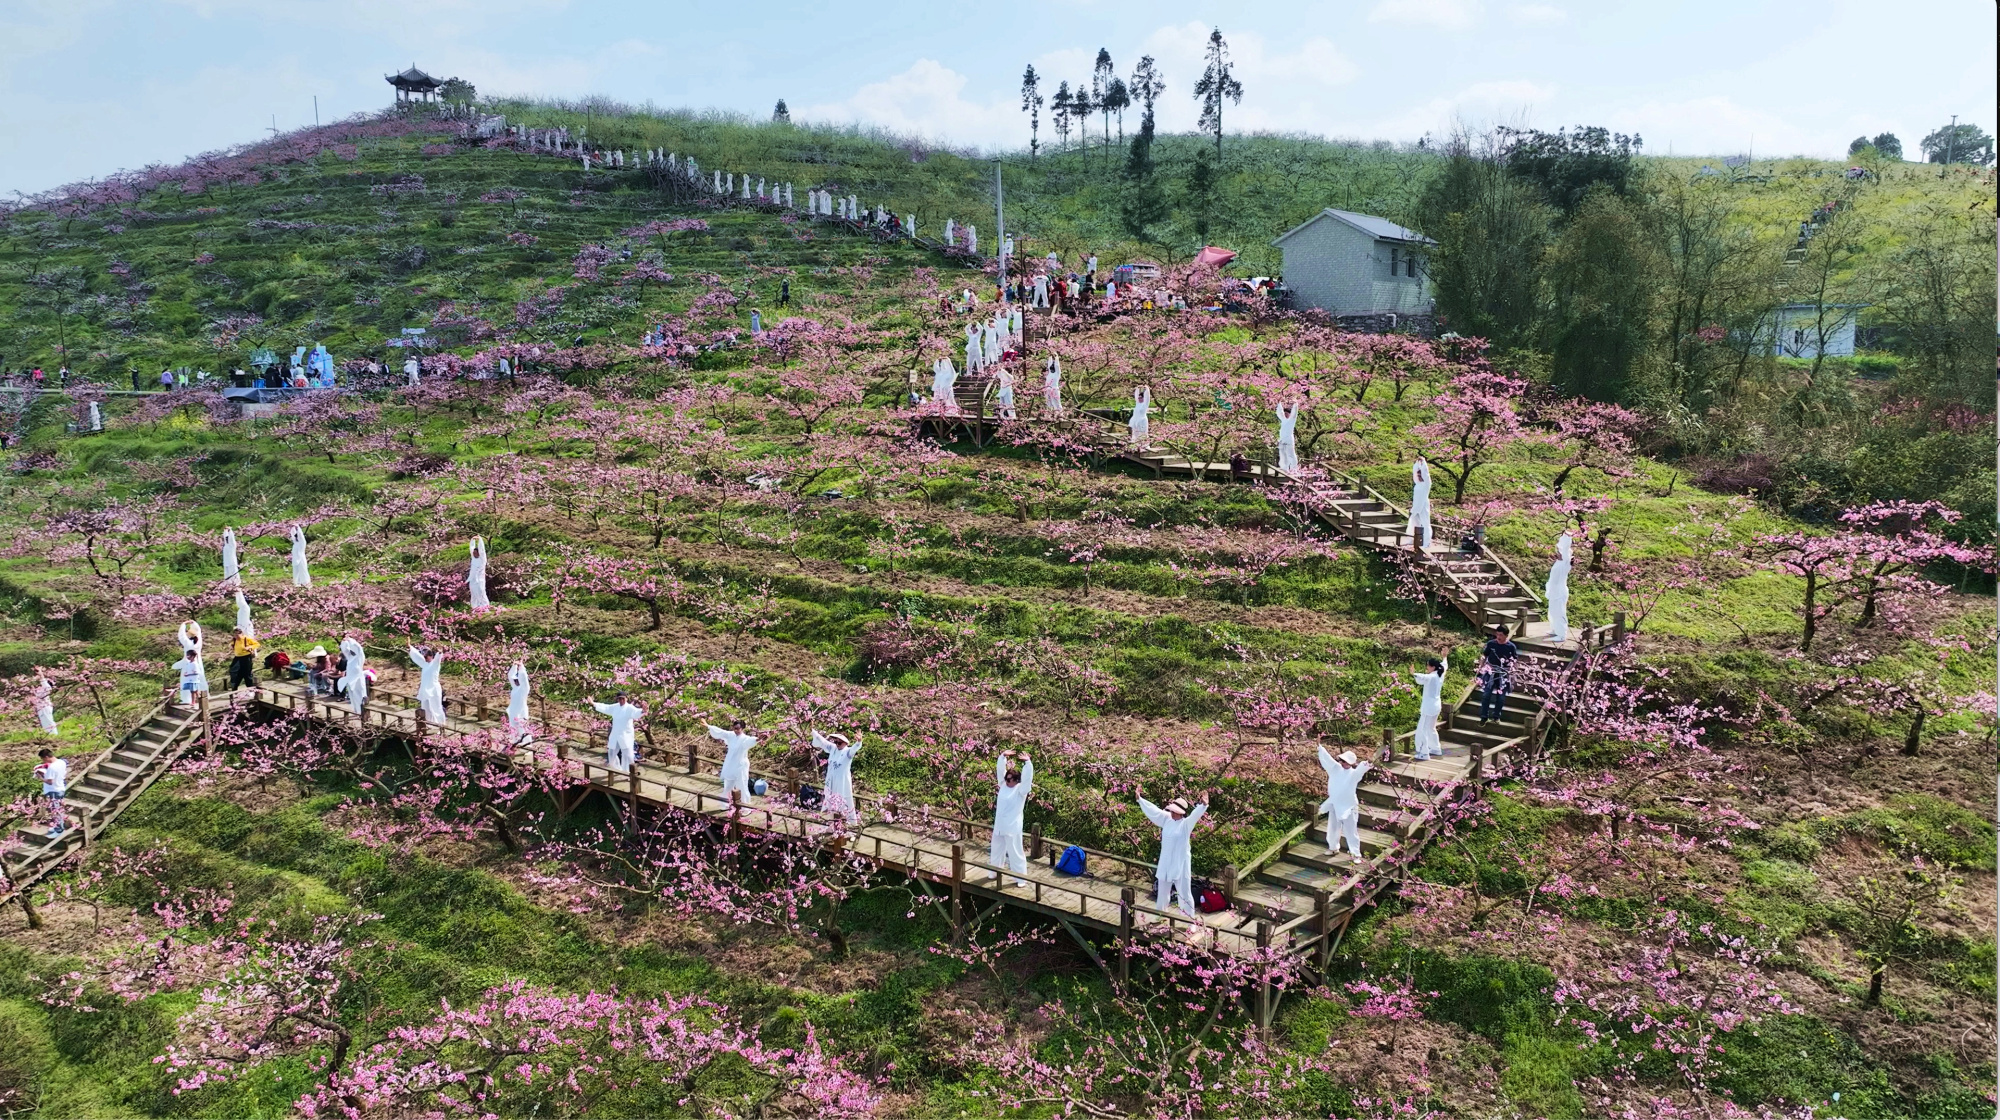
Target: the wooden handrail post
pixel 1228 877
pixel 694 758
pixel 207 739
pixel 1388 745
pixel 1035 842
pixel 1478 762
pixel 1617 627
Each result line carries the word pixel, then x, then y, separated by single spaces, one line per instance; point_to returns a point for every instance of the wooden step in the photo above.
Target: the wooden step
pixel 1308 880
pixel 1311 850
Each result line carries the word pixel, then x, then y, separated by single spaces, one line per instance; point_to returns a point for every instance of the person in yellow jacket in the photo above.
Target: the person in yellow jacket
pixel 242 659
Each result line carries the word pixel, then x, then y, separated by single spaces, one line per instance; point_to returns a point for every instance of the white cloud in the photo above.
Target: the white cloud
pixel 1284 90
pixel 1718 125
pixel 1537 14
pixel 925 100
pixel 1447 15
pixel 1477 106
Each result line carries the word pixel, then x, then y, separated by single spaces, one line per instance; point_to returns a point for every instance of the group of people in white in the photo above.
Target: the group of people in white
pixel 1014 772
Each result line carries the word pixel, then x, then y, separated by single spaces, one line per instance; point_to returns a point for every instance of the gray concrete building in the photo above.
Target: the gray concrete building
pixel 1366 272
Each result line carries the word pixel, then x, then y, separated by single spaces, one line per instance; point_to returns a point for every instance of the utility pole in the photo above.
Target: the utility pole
pixel 1950 145
pixel 1000 219
pixel 315 110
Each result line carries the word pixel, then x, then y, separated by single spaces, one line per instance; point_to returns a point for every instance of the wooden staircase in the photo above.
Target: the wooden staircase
pixel 100 792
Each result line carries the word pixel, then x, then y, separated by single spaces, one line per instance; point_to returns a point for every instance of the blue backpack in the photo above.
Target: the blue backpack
pixel 1071 861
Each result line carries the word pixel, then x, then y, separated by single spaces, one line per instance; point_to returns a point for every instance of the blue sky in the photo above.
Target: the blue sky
pixel 91 86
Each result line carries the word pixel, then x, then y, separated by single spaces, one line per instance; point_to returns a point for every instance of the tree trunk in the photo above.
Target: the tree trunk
pixel 1812 623
pixel 28 908
pixel 1912 739
pixel 1875 986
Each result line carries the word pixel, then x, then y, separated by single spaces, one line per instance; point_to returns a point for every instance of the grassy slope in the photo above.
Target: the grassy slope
pixel 447 919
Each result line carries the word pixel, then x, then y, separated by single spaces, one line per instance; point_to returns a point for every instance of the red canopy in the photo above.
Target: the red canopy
pixel 1214 256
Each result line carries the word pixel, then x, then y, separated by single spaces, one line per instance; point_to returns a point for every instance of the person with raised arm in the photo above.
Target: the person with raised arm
pixel 232 570
pixel 430 688
pixel 1557 590
pixel 1052 385
pixel 621 746
pixel 1432 683
pixel 1175 869
pixel 1141 422
pixel 301 575
pixel 1014 785
pixel 839 774
pixel 354 674
pixel 475 576
pixel 1419 527
pixel 1343 802
pixel 1288 440
pixel 517 704
pixel 45 705
pixel 735 758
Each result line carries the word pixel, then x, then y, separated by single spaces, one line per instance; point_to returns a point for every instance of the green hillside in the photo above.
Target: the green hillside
pixel 1754 873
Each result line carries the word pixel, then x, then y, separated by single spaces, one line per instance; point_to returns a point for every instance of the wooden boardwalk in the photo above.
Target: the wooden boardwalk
pixel 1114 897
pixel 1309 891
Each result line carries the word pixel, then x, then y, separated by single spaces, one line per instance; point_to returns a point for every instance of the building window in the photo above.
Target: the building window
pixel 1394 259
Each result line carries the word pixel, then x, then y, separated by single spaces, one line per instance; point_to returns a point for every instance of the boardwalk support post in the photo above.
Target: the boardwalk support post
pixel 1325 928
pixel 957 893
pixel 1266 1006
pixel 1127 917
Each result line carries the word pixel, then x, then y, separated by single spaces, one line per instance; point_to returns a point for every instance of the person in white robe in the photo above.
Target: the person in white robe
pixel 518 724
pixel 1343 800
pixel 232 569
pixel 1175 870
pixel 45 704
pixel 475 575
pixel 1012 789
pixel 243 619
pixel 621 746
pixel 1557 590
pixel 1052 385
pixel 354 678
pixel 1419 527
pixel 839 774
pixel 944 386
pixel 1288 442
pixel 735 759
pixel 430 685
pixel 301 575
pixel 1141 423
pixel 1006 393
pixel 1432 683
